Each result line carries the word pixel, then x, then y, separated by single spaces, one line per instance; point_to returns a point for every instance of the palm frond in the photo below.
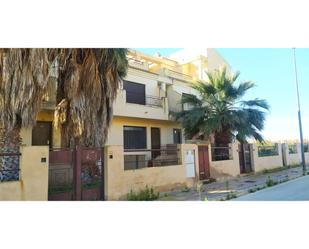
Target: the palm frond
pixel 223 113
pixel 87 86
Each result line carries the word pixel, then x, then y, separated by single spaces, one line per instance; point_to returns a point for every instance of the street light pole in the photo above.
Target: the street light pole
pixel 299 118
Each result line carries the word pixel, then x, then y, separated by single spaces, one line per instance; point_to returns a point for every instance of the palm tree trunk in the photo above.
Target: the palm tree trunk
pixel 9 165
pixel 222 139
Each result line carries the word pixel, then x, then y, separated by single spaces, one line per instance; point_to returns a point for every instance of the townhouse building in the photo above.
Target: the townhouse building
pixel 144 136
pixel 143 109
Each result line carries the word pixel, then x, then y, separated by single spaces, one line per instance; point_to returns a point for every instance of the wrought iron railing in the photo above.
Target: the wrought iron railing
pixel 221 153
pixel 148 100
pixel 271 150
pixel 165 156
pixel 9 166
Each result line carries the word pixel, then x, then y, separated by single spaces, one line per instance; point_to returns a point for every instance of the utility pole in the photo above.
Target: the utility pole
pixel 299 118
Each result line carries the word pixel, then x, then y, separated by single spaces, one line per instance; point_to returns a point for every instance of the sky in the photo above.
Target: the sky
pixel 272 70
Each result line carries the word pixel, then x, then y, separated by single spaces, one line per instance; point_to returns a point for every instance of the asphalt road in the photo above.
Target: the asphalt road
pixel 294 190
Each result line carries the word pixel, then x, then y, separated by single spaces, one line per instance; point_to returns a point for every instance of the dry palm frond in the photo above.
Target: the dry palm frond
pixel 24 75
pixel 87 86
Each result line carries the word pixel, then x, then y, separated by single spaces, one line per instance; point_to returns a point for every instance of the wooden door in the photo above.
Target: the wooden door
pixel 177 136
pixel 203 157
pixel 42 133
pixel 245 162
pixel 155 142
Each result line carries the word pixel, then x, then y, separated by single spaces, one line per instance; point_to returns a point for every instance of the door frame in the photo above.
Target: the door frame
pixel 242 151
pixel 204 174
pixel 51 132
pixel 155 153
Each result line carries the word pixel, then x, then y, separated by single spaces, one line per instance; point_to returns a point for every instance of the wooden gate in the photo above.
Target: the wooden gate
pixel 245 160
pixel 60 175
pixel 203 157
pixel 76 174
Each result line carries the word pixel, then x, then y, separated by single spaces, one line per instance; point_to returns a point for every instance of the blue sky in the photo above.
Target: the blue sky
pixel 273 72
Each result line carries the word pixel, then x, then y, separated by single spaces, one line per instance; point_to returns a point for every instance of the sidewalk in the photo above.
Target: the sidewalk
pixel 235 186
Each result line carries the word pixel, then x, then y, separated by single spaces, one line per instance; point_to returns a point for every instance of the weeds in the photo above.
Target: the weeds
pixel 270 182
pixel 230 196
pixel 147 194
pixel 227 185
pixel 185 189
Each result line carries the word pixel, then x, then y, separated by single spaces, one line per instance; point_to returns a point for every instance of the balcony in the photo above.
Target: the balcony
pixel 138 64
pixel 175 74
pixel 154 101
pixel 153 107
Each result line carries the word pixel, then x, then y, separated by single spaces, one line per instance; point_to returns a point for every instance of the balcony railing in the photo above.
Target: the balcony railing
pixel 141 99
pixel 165 156
pixel 138 64
pixel 154 101
pixel 176 75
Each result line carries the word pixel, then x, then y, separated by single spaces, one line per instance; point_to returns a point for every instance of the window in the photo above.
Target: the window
pixel 177 136
pixel 135 92
pixel 134 137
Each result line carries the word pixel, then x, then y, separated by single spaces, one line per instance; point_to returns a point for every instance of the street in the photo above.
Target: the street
pixel 294 190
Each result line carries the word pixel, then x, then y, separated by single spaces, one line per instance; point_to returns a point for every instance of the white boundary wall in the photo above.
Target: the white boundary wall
pixel 266 162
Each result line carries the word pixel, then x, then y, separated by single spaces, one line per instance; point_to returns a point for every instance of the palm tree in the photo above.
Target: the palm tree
pixel 87 86
pixel 23 79
pixel 219 110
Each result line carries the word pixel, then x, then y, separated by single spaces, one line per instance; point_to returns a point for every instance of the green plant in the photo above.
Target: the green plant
pixel 230 196
pixel 270 182
pixel 199 189
pixel 252 190
pixel 185 189
pixel 227 185
pixel 147 194
pixel 220 110
pixel 292 148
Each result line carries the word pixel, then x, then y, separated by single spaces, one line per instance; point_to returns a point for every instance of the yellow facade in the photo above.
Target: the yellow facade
pixel 44 115
pixel 120 182
pixel 115 135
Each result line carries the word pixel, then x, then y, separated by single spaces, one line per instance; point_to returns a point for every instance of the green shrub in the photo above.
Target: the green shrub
pixel 230 196
pixel 227 185
pixel 147 194
pixel 270 182
pixel 185 189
